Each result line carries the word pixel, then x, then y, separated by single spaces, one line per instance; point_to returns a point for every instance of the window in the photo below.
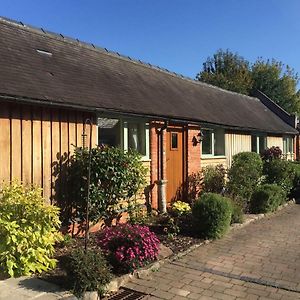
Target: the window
pixel 136 137
pixel 109 132
pixel 127 134
pixel 288 145
pixel 258 143
pixel 213 142
pixel 174 141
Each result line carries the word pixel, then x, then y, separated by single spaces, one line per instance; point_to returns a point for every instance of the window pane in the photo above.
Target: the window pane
pixel 254 143
pixel 109 132
pixel 219 142
pixel 136 137
pixel 174 140
pixel 262 143
pixel 207 142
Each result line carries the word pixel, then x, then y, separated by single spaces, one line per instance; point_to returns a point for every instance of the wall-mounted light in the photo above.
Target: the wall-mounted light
pixel 197 139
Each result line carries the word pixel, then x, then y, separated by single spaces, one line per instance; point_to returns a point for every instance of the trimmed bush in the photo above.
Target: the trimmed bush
pixel 214 179
pixel 280 172
pixel 129 247
pixel 266 198
pixel 87 271
pixel 296 183
pixel 28 231
pixel 244 175
pixel 212 215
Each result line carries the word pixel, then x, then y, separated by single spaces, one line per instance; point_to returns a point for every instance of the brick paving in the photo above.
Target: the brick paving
pixel 259 261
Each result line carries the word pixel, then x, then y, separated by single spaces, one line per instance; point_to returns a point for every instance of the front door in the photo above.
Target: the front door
pixel 174 159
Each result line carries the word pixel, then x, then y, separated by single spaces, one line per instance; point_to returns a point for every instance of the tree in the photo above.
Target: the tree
pixel 278 82
pixel 228 71
pixel 232 72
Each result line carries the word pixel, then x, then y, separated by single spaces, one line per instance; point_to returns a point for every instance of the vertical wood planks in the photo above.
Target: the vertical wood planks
pixel 46 146
pixel 36 142
pixel 5 158
pixel 16 143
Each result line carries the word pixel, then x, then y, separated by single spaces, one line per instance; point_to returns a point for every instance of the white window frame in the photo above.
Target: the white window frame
pixel 124 133
pixel 257 136
pixel 288 155
pixel 212 155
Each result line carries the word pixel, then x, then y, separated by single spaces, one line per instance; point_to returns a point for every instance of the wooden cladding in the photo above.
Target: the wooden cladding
pixel 35 142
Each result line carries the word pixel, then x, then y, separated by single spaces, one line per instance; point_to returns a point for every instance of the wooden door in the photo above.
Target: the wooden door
pixel 174 166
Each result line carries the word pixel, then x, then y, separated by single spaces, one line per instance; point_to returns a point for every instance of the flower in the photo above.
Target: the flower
pixel 129 247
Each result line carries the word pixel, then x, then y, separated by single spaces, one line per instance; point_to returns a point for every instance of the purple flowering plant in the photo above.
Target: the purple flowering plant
pixel 129 247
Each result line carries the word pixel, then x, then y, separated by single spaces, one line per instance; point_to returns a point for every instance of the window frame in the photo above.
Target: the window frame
pixel 212 145
pixel 124 133
pixel 285 138
pixel 257 136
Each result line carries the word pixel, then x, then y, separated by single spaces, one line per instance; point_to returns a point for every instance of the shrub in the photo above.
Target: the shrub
pixel 271 153
pixel 116 175
pixel 280 172
pixel 129 247
pixel 28 231
pixel 212 214
pixel 87 271
pixel 180 208
pixel 296 183
pixel 214 179
pixel 244 175
pixel 266 198
pixel 237 215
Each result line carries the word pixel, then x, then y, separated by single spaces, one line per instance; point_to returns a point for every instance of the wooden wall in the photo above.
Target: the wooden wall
pixel 35 142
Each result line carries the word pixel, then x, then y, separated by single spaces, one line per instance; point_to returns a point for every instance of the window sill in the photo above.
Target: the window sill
pixel 213 156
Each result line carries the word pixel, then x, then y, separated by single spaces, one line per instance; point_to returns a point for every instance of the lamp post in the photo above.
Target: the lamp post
pixel 87 220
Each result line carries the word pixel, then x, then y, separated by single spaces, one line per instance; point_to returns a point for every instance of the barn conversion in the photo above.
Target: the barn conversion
pixel 50 85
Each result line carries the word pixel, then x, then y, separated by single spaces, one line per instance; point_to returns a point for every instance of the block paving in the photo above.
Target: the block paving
pixel 258 261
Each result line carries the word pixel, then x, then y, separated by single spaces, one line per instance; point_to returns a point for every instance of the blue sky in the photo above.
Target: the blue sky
pixel 176 34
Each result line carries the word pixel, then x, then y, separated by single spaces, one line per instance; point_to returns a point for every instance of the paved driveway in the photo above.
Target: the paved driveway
pixel 259 261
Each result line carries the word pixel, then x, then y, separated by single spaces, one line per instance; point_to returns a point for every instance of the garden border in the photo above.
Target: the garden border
pixel 117 282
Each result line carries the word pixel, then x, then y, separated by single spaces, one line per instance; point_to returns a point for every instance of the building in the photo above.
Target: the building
pixel 50 85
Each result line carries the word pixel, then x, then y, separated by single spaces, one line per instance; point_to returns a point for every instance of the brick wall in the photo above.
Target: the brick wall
pixel 193 151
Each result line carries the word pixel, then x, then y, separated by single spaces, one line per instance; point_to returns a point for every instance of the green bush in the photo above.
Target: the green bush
pixel 214 179
pixel 28 231
pixel 244 175
pixel 87 271
pixel 237 215
pixel 266 198
pixel 296 183
pixel 280 172
pixel 116 175
pixel 212 215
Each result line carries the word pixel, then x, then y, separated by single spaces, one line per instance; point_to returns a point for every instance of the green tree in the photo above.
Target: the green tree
pixel 278 82
pixel 232 72
pixel 227 70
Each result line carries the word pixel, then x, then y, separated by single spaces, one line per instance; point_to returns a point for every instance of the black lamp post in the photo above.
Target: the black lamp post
pixel 84 136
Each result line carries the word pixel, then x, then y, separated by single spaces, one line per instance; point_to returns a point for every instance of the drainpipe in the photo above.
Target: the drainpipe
pixel 161 182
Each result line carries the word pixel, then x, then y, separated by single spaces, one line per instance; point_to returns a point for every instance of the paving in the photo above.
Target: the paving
pixel 259 261
pixel 27 288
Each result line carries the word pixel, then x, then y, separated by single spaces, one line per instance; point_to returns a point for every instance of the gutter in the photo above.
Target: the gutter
pixel 97 110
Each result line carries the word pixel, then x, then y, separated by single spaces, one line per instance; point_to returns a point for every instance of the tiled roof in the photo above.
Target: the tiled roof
pixel 51 68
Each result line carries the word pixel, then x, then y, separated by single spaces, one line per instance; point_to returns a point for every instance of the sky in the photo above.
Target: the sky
pixel 175 34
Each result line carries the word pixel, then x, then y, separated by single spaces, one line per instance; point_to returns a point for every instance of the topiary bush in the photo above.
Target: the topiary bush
pixel 28 231
pixel 266 198
pixel 214 179
pixel 212 215
pixel 87 271
pixel 129 247
pixel 244 175
pixel 280 172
